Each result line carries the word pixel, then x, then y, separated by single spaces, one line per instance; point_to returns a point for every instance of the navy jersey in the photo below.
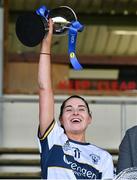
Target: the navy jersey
pixel 63 158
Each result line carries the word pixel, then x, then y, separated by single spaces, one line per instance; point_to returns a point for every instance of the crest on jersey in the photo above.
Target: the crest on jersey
pixel 95 158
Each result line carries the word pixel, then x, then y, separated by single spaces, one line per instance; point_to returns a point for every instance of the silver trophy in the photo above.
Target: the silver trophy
pixel 31 27
pixel 127 174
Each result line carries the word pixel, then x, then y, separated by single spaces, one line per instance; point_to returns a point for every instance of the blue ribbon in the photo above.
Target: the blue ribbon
pixel 43 11
pixel 73 30
pixel 72 37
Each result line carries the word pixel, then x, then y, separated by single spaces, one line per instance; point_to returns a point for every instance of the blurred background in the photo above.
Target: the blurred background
pixel 107 50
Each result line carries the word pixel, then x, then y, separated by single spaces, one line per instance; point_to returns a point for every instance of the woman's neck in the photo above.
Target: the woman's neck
pixel 76 137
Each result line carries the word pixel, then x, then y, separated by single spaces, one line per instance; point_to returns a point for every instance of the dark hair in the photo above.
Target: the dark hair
pixel 73 96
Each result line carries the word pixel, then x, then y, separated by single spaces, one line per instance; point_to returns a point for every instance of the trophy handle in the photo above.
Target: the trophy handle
pixel 62 17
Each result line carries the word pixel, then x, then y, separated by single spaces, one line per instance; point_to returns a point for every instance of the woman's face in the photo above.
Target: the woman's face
pixel 75 117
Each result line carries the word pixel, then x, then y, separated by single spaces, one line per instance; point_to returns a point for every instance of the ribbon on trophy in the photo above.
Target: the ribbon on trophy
pixel 73 30
pixel 43 11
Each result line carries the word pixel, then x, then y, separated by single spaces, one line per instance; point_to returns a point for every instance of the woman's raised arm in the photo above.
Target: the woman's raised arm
pixel 46 98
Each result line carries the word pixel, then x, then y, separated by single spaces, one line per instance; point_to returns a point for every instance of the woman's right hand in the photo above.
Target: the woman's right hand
pixel 46 42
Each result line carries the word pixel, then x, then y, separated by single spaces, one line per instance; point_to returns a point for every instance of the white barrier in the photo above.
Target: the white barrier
pixel 111 117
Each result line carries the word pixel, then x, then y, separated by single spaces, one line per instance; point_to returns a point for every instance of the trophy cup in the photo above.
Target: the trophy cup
pixel 32 27
pixel 127 174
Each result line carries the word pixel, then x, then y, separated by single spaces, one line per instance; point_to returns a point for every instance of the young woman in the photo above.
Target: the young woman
pixel 65 154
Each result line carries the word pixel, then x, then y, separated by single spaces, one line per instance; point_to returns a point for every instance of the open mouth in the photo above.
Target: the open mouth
pixel 76 120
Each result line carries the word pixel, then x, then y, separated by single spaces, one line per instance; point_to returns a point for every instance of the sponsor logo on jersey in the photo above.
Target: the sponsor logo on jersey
pixel 81 170
pixel 66 146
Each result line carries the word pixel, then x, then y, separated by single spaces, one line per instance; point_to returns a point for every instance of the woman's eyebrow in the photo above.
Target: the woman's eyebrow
pixel 67 106
pixel 70 106
pixel 81 106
